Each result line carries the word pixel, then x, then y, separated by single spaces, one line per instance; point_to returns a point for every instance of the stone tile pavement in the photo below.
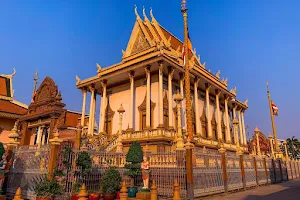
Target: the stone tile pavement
pixel 289 190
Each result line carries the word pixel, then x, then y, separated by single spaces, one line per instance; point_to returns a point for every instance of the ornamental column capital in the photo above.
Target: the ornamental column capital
pixel 103 83
pixel 171 71
pixel 207 86
pixel 196 80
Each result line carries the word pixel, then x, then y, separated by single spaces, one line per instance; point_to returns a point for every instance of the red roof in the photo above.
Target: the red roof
pixel 10 107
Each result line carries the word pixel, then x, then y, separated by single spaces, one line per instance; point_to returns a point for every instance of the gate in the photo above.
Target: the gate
pixel 30 164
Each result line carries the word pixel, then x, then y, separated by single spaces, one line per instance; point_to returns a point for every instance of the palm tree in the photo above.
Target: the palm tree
pixel 293 147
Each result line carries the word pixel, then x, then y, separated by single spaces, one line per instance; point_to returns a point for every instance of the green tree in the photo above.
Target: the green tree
pixel 134 157
pixel 293 147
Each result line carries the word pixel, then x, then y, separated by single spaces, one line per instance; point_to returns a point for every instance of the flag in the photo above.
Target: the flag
pixel 190 47
pixel 275 109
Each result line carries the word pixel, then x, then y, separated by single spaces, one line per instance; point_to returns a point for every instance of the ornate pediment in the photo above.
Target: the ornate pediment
pixel 140 44
pixel 109 113
pixel 142 107
pixel 203 118
pixel 47 90
pixel 264 142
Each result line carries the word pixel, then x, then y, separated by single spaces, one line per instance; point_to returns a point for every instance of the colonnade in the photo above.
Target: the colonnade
pixel 240 111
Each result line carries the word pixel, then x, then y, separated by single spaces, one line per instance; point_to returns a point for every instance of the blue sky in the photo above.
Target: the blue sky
pixel 249 41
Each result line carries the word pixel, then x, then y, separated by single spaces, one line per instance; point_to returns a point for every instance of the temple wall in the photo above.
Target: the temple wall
pixel 6 125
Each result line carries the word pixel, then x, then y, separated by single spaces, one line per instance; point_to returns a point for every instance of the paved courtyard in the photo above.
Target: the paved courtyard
pixel 284 191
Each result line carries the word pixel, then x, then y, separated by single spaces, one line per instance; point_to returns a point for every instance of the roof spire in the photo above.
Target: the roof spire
pixel 136 13
pixel 152 17
pixel 144 14
pixel 35 79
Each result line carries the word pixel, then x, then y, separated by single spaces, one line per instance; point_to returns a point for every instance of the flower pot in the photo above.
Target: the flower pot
pixel 94 196
pixel 109 196
pixel 132 192
pixel 75 197
pixel 43 198
pixel 118 195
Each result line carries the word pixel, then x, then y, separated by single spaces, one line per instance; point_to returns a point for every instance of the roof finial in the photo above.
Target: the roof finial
pixel 145 16
pixel 14 73
pixel 152 17
pixel 35 79
pixel 135 11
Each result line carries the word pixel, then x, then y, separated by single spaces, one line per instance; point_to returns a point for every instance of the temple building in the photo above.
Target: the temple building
pixel 45 114
pixel 10 109
pixel 140 97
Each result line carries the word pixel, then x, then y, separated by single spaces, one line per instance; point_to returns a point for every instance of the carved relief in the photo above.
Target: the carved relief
pixel 47 90
pixel 140 43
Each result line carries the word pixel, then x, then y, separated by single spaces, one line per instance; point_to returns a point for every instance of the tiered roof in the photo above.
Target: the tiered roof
pixel 9 107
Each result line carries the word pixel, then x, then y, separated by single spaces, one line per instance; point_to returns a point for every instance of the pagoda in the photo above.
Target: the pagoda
pixel 145 82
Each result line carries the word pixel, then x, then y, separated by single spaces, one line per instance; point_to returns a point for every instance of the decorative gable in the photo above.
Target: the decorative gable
pixel 140 43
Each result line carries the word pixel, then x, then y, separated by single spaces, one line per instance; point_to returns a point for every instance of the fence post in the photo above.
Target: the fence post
pixel 274 169
pixel 153 191
pixel 55 144
pixel 176 195
pixel 78 137
pixel 255 167
pixel 242 168
pixel 265 166
pixel 18 195
pixel 290 163
pixel 280 168
pixel 224 169
pixel 123 192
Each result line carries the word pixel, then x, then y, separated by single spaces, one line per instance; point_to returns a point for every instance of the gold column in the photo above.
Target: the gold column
pixel 210 136
pixel 219 128
pixel 243 126
pixel 227 118
pixel 286 151
pixel 179 144
pixel 131 106
pixel 160 95
pixel 256 131
pixel 103 106
pixel 196 106
pixel 83 107
pixel 119 148
pixel 271 145
pixel 55 143
pixel 170 91
pixel 240 128
pixel 40 135
pixel 90 129
pixel 148 113
pixel 94 112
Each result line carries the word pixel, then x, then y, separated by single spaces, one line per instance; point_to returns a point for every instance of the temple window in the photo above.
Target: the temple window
pixel 166 111
pixel 223 127
pixel 204 124
pixel 214 127
pixel 109 114
pixel 143 116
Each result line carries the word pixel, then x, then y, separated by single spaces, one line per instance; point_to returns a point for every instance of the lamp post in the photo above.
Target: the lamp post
pixel 119 144
pixel 179 142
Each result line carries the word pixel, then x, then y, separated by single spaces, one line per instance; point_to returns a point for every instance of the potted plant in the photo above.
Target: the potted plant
pixel 83 164
pixel 47 189
pixel 94 194
pixel 134 158
pixel 110 183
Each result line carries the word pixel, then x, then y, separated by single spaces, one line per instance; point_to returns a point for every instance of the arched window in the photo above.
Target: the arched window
pixel 223 127
pixel 166 111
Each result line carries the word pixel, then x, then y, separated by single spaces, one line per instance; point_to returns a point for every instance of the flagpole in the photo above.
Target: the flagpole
pixel 189 162
pixel 277 151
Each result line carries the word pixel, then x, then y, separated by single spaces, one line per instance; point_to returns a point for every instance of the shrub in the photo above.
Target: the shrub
pixel 134 157
pixel 84 162
pixel 2 150
pixel 110 181
pixel 47 188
